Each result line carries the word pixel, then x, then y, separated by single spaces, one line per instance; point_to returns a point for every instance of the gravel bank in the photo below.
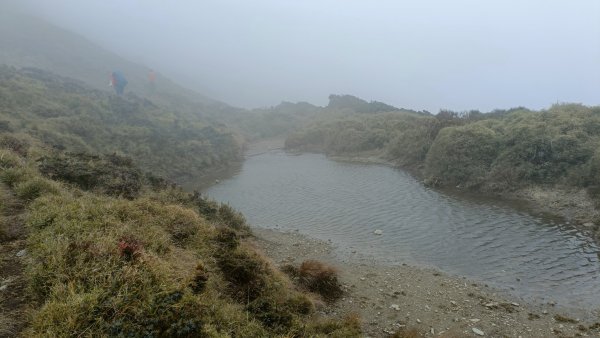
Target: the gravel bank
pixel 391 297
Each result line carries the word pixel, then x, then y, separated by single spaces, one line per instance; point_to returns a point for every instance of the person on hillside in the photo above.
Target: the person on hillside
pixel 151 81
pixel 151 76
pixel 118 82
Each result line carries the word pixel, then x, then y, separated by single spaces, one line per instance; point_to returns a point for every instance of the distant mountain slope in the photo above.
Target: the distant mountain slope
pixel 69 115
pixel 31 42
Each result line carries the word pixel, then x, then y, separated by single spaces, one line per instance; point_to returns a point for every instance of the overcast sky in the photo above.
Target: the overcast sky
pixel 415 54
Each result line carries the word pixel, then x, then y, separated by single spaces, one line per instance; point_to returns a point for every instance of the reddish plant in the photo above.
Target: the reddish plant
pixel 200 279
pixel 129 248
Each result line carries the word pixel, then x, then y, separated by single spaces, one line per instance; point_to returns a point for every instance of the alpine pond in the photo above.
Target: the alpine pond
pixel 533 257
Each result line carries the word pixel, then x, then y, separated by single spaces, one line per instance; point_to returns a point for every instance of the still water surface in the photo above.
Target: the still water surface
pixel 531 257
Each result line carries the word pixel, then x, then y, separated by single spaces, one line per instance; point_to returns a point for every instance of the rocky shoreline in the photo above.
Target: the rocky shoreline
pixel 389 298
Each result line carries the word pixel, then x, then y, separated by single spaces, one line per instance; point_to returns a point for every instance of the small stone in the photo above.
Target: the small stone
pixel 453 302
pixel 378 232
pixel 21 253
pixel 3 287
pixel 395 307
pixel 514 304
pixel 432 331
pixel 545 312
pixel 474 320
pixel 588 224
pixel 491 304
pixel 478 331
pixel 418 320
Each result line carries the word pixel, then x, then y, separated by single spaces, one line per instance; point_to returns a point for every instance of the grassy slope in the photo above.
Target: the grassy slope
pixel 32 42
pixel 69 115
pixel 112 251
pixel 160 263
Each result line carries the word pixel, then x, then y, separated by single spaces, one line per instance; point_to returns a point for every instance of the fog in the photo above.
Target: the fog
pixel 415 54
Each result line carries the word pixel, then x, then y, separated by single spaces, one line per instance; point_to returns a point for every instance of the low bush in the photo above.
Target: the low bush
pixel 320 278
pixel 219 213
pixel 245 272
pixel 110 174
pixel 350 326
pixel 34 188
pixel 15 144
pixel 9 159
pixel 14 176
pixel 231 218
pixel 462 155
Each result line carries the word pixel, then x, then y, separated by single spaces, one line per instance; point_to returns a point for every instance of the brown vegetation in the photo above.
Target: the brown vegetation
pixel 316 277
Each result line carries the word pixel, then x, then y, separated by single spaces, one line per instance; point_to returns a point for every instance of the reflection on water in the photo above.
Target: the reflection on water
pixel 346 202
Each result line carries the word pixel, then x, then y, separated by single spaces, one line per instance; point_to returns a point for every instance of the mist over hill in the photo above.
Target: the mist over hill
pixel 66 114
pixel 28 41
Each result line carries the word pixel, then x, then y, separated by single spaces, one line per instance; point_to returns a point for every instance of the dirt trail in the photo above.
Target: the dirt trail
pixel 392 297
pixel 13 296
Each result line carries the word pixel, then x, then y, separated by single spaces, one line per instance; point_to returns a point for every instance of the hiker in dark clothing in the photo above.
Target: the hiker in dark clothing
pixel 118 81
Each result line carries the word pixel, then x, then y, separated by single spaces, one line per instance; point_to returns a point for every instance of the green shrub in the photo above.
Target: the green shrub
pixel 412 141
pixel 501 150
pixel 245 272
pixel 462 155
pixel 9 159
pixel 34 188
pixel 14 176
pixel 15 144
pixel 110 174
pixel 232 218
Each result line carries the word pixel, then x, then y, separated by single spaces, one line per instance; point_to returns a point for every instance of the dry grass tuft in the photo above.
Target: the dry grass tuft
pixel 407 333
pixel 320 278
pixel 350 326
